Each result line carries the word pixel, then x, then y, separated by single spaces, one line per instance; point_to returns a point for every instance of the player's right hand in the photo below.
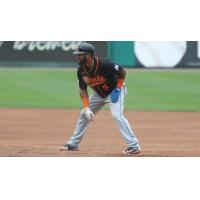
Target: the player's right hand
pixel 115 95
pixel 88 113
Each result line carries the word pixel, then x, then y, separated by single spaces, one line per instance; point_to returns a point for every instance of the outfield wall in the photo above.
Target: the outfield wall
pixel 170 54
pixel 43 53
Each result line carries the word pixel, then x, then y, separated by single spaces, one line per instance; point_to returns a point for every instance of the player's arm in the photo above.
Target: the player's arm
pixel 118 70
pixel 121 78
pixel 121 74
pixel 84 97
pixel 85 101
pixel 83 89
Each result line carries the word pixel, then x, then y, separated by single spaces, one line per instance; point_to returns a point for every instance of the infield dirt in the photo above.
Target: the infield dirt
pixel 40 132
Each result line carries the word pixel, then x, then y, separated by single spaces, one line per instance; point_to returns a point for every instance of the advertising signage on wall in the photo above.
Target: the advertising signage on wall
pixel 44 51
pixel 160 54
pixel 168 54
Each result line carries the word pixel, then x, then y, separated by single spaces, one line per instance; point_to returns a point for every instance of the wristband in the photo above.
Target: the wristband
pixel 85 102
pixel 120 83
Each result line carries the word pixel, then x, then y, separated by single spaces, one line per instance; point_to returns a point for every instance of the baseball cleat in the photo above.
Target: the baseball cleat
pixel 132 150
pixel 69 147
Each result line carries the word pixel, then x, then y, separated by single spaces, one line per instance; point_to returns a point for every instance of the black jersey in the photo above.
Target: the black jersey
pixel 102 77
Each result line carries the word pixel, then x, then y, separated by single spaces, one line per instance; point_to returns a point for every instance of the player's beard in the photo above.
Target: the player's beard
pixel 83 61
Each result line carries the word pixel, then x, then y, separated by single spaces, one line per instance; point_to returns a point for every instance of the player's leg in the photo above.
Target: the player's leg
pixel 123 124
pixel 96 103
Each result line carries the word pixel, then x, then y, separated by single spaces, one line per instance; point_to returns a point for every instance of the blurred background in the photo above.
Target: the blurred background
pixel 162 76
pixel 170 54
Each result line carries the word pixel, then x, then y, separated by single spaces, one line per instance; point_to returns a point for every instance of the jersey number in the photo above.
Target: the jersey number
pixel 105 87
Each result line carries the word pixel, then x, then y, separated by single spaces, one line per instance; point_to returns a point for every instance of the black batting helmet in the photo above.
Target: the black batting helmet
pixel 84 48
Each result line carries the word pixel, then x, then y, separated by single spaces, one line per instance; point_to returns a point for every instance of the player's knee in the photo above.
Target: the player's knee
pixel 117 116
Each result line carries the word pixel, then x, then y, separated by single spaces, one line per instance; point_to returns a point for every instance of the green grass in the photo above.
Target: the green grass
pixel 147 90
pixel 164 91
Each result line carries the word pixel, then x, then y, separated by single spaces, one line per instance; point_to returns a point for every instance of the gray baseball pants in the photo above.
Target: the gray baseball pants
pixel 96 103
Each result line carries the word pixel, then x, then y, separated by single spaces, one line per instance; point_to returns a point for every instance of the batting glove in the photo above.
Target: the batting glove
pixel 115 95
pixel 88 113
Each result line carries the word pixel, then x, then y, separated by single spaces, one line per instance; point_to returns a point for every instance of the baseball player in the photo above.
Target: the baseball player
pixel 107 81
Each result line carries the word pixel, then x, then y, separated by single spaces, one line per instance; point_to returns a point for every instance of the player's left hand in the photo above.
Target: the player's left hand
pixel 115 95
pixel 88 113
